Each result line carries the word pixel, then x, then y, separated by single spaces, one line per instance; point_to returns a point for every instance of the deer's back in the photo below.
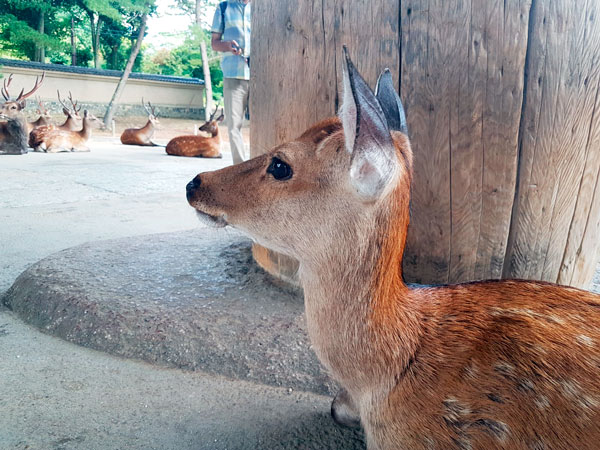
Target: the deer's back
pixel 136 136
pixel 207 147
pixel 508 364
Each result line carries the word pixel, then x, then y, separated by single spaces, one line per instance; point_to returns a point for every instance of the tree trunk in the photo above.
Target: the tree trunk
pixel 73 43
pixel 40 51
pixel 95 25
pixel 198 12
pixel 118 91
pixel 114 57
pixel 208 106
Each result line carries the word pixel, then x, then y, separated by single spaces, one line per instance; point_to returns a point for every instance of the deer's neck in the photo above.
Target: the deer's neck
pixel 148 128
pixel 86 131
pixel 356 301
pixel 69 123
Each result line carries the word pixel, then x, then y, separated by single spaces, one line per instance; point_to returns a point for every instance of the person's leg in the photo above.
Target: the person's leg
pixel 235 93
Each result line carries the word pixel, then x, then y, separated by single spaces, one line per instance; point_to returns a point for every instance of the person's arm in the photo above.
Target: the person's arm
pixel 219 45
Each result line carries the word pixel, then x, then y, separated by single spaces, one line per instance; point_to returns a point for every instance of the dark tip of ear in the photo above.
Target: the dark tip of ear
pixel 368 111
pixel 390 102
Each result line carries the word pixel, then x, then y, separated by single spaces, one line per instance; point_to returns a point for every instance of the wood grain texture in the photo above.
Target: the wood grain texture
pixel 296 66
pixel 563 71
pixel 503 112
pixel 462 80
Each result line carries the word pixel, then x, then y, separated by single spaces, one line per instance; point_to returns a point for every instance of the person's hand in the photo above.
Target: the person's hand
pixel 235 48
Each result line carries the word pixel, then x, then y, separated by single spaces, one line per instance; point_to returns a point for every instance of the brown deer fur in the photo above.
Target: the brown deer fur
pixel 42 120
pixel 74 120
pixel 14 130
pixel 52 140
pixel 485 365
pixel 142 136
pixel 205 147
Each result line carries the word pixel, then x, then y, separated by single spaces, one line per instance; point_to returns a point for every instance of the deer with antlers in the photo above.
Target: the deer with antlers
pixel 199 146
pixel 42 120
pixel 74 120
pixel 142 136
pixel 14 130
pixel 506 364
pixel 54 140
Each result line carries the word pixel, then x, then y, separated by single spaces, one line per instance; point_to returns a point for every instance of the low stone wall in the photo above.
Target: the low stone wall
pixel 176 97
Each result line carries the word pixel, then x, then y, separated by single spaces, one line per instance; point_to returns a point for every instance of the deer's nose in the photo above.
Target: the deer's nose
pixel 194 184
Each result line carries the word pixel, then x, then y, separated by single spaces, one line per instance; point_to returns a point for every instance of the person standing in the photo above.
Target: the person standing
pixel 231 35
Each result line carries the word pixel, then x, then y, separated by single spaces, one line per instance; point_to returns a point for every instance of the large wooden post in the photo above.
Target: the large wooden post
pixel 503 114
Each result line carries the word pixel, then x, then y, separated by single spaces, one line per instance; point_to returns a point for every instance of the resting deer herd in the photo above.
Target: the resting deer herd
pixel 487 365
pixel 17 134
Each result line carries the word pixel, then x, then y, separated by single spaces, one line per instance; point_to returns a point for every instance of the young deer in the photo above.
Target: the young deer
pixel 53 140
pixel 205 147
pixel 14 131
pixel 142 136
pixel 493 364
pixel 74 121
pixel 42 120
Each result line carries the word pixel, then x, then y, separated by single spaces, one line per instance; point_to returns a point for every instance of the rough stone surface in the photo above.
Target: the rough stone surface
pixel 192 299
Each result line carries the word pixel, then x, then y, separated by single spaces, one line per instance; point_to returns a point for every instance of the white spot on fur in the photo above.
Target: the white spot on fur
pixel 504 367
pixel 585 340
pixel 573 391
pixel 542 402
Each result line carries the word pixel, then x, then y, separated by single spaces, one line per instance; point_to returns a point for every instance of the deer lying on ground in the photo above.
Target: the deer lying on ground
pixel 14 131
pixel 494 364
pixel 53 140
pixel 74 121
pixel 205 147
pixel 42 120
pixel 142 136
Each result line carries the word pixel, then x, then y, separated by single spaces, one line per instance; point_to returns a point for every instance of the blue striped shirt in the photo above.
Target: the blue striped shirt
pixel 236 28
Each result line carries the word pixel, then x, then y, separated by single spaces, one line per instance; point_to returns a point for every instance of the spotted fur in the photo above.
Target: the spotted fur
pixel 485 365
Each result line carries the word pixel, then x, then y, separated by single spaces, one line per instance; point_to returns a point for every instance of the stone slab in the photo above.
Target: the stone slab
pixel 194 300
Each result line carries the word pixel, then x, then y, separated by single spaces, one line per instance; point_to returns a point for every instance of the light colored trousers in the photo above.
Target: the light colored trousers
pixel 235 93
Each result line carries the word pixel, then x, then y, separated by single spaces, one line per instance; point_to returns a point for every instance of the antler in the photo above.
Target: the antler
pixel 152 108
pixel 149 108
pixel 61 101
pixel 38 83
pixel 41 105
pixel 212 116
pixel 74 104
pixel 5 88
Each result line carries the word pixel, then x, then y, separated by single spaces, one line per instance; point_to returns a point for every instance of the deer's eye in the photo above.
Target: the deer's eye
pixel 280 170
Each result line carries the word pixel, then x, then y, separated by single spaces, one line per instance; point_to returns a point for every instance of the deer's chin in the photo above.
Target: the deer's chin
pixel 211 221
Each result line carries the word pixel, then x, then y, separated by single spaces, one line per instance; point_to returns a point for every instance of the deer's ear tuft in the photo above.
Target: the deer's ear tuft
pixel 390 102
pixel 367 136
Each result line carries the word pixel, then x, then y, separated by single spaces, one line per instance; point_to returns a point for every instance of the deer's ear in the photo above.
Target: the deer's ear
pixel 367 136
pixel 23 103
pixel 65 112
pixel 390 102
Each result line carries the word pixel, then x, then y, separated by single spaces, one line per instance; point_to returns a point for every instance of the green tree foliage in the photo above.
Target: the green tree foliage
pixel 110 27
pixel 105 30
pixel 186 60
pixel 19 23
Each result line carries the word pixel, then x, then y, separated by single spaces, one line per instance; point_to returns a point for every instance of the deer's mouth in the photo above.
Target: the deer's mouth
pixel 210 220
